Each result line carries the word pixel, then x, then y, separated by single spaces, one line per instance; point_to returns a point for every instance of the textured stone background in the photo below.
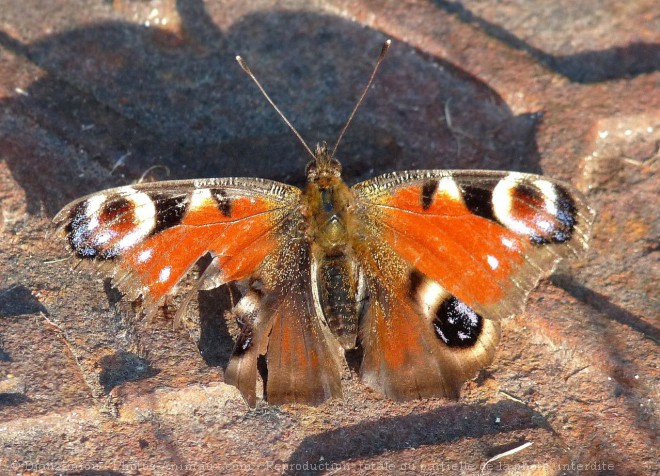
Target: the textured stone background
pixel 93 94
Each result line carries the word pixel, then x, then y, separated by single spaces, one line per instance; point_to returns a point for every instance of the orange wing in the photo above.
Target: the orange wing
pixel 448 254
pixel 486 237
pixel 148 236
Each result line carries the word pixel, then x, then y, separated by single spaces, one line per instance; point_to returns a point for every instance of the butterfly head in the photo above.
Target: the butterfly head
pixel 324 168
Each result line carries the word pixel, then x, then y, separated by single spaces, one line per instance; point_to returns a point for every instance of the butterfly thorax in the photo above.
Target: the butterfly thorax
pixel 328 206
pixel 328 202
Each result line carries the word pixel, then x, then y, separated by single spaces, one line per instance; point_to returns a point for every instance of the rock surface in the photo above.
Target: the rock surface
pixel 95 94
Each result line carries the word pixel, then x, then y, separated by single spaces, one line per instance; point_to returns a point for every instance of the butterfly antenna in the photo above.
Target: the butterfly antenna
pixel 247 70
pixel 383 52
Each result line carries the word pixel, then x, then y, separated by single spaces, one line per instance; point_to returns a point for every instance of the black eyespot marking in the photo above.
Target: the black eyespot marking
pixel 557 226
pixel 245 337
pixel 77 231
pixel 479 201
pixel 528 194
pixel 75 218
pixel 81 236
pixel 118 209
pixel 223 201
pixel 243 343
pixel 428 193
pixel 566 216
pixel 169 211
pixel 456 324
pixel 245 313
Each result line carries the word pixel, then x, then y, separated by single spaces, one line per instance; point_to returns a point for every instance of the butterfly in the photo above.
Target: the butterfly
pixel 415 268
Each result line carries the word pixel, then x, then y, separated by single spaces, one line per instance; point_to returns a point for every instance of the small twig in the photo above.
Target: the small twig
pixel 506 453
pixel 120 162
pixel 56 260
pixel 576 371
pixel 54 324
pixel 511 397
pixel 151 169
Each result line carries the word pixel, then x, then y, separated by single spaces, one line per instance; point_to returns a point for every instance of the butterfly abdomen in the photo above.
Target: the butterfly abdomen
pixel 340 296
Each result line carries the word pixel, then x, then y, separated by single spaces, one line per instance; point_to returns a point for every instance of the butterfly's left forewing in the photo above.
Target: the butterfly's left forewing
pixel 454 252
pixel 147 236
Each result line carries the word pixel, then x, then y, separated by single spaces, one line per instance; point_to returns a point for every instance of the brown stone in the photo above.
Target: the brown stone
pixel 95 93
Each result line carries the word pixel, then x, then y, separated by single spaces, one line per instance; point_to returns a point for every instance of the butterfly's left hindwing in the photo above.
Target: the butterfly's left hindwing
pixel 285 322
